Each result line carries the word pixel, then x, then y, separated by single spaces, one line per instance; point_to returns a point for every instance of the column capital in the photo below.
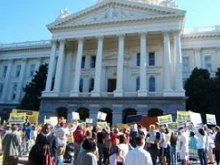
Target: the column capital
pixel 121 36
pixel 166 33
pixel 24 60
pixel 62 41
pixel 101 37
pixel 80 39
pixel 143 33
pixel 53 41
pixel 197 49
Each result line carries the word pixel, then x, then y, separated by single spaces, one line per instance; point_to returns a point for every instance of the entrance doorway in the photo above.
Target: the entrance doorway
pixel 109 114
pixel 111 85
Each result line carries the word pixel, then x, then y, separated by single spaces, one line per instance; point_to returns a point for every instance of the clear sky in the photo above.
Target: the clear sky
pixel 26 20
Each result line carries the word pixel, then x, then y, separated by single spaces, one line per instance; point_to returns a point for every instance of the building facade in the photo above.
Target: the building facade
pixel 119 57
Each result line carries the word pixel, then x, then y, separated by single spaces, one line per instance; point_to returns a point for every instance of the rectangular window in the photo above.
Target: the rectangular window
pixel 208 63
pixel 138 59
pixel 18 70
pixel 14 91
pixel 83 62
pixel 32 70
pixel 151 59
pixel 1 89
pixel 93 59
pixel 81 85
pixel 91 84
pixel 186 64
pixel 5 71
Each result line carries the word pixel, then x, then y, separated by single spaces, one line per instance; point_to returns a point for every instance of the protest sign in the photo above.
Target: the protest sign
pixel 75 115
pixel 89 120
pixel 210 119
pixel 101 116
pixel 102 124
pixel 183 116
pixel 173 126
pixel 53 120
pixel 31 116
pixel 195 118
pixel 17 118
pixel 165 119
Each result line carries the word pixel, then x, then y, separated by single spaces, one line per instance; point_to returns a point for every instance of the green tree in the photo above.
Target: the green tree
pixel 200 90
pixel 33 90
pixel 217 93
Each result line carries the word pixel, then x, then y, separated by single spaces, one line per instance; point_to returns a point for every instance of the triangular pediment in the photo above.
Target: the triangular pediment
pixel 114 11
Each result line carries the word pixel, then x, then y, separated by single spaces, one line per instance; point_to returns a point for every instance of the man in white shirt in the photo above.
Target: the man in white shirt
pixel 138 156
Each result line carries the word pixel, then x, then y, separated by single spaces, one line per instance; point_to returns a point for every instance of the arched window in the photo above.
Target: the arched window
pixel 81 85
pixel 137 83
pixel 152 86
pixel 91 84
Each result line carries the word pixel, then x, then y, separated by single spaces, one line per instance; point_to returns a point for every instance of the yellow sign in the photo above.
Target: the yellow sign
pixel 210 119
pixel 173 126
pixel 102 124
pixel 17 118
pixel 183 116
pixel 165 119
pixel 31 115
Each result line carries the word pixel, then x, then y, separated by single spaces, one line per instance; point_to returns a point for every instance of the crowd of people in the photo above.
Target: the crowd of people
pixel 104 145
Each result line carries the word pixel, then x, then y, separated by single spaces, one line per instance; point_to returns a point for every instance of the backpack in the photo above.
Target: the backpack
pixel 48 159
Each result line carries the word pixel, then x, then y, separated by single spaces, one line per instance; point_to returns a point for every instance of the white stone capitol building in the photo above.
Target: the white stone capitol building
pixel 120 57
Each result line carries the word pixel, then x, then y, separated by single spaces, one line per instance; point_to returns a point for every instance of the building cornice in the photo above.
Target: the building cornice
pixel 203 35
pixel 26 46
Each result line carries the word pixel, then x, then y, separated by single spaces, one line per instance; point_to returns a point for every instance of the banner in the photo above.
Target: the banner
pixel 210 119
pixel 101 116
pixel 32 116
pixel 165 119
pixel 75 115
pixel 183 116
pixel 17 118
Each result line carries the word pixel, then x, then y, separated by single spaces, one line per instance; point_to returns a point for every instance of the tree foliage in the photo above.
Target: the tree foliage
pixel 33 90
pixel 201 91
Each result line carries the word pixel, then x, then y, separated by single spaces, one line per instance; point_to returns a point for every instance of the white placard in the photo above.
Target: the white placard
pixel 195 118
pixel 210 119
pixel 75 115
pixel 101 115
pixel 53 121
pixel 89 120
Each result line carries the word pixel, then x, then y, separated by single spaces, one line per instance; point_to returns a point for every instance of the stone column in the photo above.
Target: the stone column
pixel 51 68
pixel 21 80
pixel 167 64
pixel 6 81
pixel 143 58
pixel 120 66
pixel 197 58
pixel 75 91
pixel 98 68
pixel 178 65
pixel 60 65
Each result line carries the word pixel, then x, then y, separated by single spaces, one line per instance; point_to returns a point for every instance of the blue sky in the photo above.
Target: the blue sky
pixel 26 20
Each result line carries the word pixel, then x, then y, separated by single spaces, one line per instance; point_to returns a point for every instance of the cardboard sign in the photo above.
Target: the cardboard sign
pixel 75 115
pixel 210 119
pixel 17 118
pixel 89 120
pixel 102 124
pixel 101 116
pixel 183 116
pixel 165 119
